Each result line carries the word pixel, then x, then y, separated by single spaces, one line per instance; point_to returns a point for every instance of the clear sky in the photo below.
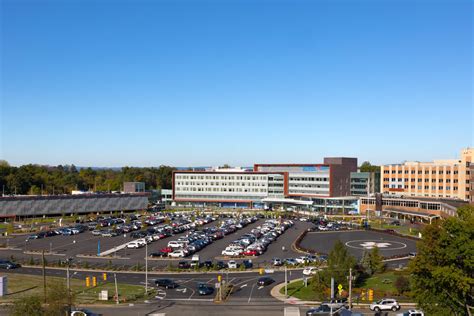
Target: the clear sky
pixel 189 83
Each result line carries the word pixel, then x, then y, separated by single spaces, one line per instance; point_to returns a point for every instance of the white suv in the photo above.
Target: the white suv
pixel 412 312
pixel 385 304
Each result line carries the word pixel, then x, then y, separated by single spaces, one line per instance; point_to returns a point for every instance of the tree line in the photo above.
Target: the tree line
pixel 62 179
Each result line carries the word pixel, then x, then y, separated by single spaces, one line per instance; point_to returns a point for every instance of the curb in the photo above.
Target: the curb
pixel 151 272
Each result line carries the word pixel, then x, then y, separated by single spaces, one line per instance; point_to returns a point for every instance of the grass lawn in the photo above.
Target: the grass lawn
pixel 20 284
pixel 400 229
pixel 298 290
pixel 382 285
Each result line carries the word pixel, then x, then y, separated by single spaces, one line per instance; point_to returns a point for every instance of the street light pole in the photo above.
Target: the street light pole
pixel 146 268
pixel 286 284
pixel 350 288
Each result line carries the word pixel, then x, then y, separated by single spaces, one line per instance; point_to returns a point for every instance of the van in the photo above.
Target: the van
pixel 195 262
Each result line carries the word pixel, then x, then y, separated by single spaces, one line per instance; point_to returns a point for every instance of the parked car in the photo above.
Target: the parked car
pixel 412 312
pixel 232 264
pixel 204 289
pixel 263 281
pixel 247 264
pixel 158 254
pixel 166 283
pixel 385 304
pixel 177 254
pixel 5 264
pixel 277 262
pixel 184 265
pixel 134 245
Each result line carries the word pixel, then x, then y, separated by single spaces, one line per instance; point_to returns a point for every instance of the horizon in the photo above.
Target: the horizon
pixel 209 83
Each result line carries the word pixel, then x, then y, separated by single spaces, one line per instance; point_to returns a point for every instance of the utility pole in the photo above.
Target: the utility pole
pixel 44 275
pixel 350 288
pixel 146 268
pixel 116 289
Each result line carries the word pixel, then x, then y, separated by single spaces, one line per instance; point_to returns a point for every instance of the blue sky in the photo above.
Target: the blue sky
pixel 144 83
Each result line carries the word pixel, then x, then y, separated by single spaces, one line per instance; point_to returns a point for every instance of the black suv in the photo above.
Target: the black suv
pixel 166 283
pixel 5 264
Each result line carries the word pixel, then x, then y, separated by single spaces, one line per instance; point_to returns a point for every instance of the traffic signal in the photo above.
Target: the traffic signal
pixel 104 276
pixel 371 295
pixel 88 281
pixel 94 281
pixel 219 278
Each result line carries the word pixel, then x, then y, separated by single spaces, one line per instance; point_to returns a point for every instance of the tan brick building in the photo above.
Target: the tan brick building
pixel 449 178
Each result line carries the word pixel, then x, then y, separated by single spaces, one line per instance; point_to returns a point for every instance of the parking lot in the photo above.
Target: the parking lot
pixel 85 246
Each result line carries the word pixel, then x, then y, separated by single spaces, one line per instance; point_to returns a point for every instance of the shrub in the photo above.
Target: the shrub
pixel 402 284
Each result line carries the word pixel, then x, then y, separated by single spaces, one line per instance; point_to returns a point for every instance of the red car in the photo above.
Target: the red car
pixel 250 253
pixel 167 250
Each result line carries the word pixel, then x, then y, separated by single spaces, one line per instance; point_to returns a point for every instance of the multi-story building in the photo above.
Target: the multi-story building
pixel 227 188
pixel 133 187
pixel 266 184
pixel 365 183
pixel 315 180
pixel 438 179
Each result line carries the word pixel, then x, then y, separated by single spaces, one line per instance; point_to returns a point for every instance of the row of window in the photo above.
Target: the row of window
pixel 420 180
pixel 311 179
pixel 426 187
pixel 219 184
pixel 419 172
pixel 220 177
pixel 194 189
pixel 405 203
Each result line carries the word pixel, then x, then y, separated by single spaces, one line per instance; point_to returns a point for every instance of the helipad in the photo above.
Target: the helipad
pixel 358 242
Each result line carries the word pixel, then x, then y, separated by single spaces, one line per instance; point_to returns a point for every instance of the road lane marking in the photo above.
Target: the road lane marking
pixel 251 291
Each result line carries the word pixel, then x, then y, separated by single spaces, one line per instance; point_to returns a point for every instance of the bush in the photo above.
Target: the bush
pixel 402 284
pixel 27 305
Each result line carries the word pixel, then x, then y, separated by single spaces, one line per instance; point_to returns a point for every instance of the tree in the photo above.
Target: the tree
pixel 365 263
pixel 442 274
pixel 376 260
pixel 368 167
pixel 27 305
pixel 339 263
pixel 402 284
pixel 58 299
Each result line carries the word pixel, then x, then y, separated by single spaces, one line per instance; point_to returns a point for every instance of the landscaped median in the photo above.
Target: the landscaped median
pixel 382 285
pixel 21 285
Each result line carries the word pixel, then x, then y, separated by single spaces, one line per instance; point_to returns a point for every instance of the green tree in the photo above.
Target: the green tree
pixel 442 274
pixel 376 260
pixel 339 263
pixel 58 299
pixel 27 305
pixel 365 263
pixel 368 167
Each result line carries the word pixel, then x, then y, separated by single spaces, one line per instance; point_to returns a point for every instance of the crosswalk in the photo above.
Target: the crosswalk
pixel 291 311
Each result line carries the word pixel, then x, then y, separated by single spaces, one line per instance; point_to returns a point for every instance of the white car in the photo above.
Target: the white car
pixel 302 259
pixel 232 264
pixel 310 271
pixel 177 254
pixel 134 245
pixel 231 253
pixel 385 304
pixel 412 312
